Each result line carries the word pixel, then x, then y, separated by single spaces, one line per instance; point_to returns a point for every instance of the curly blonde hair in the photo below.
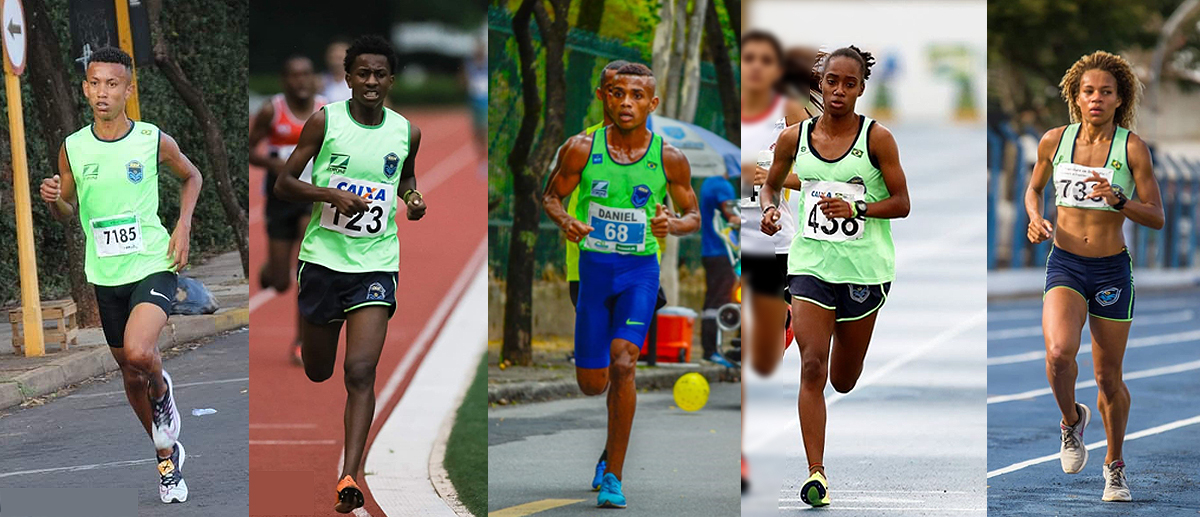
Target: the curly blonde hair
pixel 1129 88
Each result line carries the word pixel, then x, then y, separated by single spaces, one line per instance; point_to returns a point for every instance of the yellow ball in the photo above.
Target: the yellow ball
pixel 691 392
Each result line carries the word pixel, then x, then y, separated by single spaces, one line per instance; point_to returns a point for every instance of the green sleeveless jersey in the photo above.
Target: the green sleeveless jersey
pixel 365 160
pixel 1071 190
pixel 617 200
pixel 116 183
pixel 572 206
pixel 841 251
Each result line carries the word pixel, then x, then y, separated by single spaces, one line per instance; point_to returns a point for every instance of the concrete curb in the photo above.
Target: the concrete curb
pixel 647 379
pixel 77 367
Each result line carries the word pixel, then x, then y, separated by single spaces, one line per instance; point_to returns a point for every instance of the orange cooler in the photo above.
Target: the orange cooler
pixel 675 326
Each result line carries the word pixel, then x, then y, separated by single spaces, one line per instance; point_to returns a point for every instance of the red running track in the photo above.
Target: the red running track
pixel 295 424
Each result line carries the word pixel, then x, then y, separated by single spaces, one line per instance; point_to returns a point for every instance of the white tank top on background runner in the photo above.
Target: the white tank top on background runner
pixel 758 135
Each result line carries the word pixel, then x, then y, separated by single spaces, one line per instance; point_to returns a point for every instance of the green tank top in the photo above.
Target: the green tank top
pixel 116 183
pixel 365 160
pixel 617 200
pixel 1069 187
pixel 841 251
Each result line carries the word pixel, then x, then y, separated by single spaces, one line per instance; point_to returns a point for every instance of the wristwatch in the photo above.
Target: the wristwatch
pixel 860 207
pixel 1121 199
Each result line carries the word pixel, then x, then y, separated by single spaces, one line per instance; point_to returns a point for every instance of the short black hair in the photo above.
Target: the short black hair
pixel 614 65
pixel 635 69
pixel 111 55
pixel 864 58
pixel 764 37
pixel 288 60
pixel 371 44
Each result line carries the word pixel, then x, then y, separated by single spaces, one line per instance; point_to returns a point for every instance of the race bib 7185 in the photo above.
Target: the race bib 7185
pixel 116 235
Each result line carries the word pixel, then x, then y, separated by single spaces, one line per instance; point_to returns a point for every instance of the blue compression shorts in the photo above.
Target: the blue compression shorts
pixel 1105 283
pixel 617 294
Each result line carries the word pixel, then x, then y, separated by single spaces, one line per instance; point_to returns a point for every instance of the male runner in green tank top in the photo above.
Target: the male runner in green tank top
pixel 108 175
pixel 364 157
pixel 622 172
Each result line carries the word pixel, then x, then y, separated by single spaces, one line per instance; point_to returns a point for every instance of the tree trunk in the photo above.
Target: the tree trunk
pixel 730 101
pixel 527 166
pixel 678 42
pixel 214 141
pixel 661 48
pixel 690 91
pixel 57 105
pixel 734 9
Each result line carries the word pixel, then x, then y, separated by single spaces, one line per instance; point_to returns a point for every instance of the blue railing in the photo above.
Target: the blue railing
pixel 1009 168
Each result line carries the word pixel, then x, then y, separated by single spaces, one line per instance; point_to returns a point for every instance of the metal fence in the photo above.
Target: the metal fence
pixel 1011 154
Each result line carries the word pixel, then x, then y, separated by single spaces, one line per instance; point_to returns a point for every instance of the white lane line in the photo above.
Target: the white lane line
pixel 1170 426
pixel 874 376
pixel 283 426
pixel 1140 374
pixel 888 509
pixel 1086 347
pixel 177 386
pixel 293 442
pixel 402 453
pixel 1036 330
pixel 441 174
pixel 76 468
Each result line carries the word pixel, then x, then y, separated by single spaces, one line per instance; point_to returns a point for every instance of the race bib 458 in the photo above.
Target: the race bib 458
pixel 818 227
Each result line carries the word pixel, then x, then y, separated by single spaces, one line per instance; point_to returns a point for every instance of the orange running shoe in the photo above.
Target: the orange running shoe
pixel 349 496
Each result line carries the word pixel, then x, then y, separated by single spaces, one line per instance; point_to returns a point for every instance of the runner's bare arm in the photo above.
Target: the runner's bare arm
pixel 183 168
pixel 1147 209
pixel 1040 229
pixel 781 166
pixel 564 179
pixel 260 129
pixel 288 186
pixel 679 186
pixel 59 191
pixel 408 177
pixel 887 155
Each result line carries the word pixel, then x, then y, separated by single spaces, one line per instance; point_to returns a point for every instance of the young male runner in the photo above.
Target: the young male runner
pixel 108 175
pixel 620 171
pixel 350 256
pixel 279 122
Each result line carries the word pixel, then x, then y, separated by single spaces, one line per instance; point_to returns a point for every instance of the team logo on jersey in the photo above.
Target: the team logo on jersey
pixel 859 293
pixel 856 152
pixel 803 149
pixel 641 196
pixel 597 158
pixel 146 132
pixel 134 170
pixel 600 188
pixel 338 162
pixel 390 162
pixel 91 171
pixel 375 291
pixel 1108 296
pixel 283 130
pixel 1116 165
pixel 652 165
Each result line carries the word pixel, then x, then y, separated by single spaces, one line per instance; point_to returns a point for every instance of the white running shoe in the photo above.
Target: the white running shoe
pixel 171 486
pixel 1116 488
pixel 1073 451
pixel 165 417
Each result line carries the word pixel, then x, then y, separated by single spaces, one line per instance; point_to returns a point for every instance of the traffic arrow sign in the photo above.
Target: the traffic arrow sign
pixel 13 17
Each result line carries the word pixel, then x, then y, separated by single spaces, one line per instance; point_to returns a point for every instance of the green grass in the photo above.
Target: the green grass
pixel 466 451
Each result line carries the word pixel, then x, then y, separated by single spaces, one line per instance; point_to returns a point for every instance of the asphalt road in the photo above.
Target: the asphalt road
pixel 678 463
pixel 1163 350
pixel 908 439
pixel 91 439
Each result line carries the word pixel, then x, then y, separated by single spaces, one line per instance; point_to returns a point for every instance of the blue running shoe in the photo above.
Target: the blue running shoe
pixel 719 359
pixel 599 479
pixel 610 493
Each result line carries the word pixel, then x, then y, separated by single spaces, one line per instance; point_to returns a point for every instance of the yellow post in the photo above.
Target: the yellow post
pixel 31 304
pixel 125 36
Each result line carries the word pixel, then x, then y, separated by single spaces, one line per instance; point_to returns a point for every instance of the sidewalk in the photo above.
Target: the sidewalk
pixel 552 375
pixel 1029 282
pixel 23 379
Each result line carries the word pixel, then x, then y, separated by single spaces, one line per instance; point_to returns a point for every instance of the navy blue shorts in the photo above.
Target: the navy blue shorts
pixel 849 302
pixel 1106 283
pixel 617 294
pixel 327 295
